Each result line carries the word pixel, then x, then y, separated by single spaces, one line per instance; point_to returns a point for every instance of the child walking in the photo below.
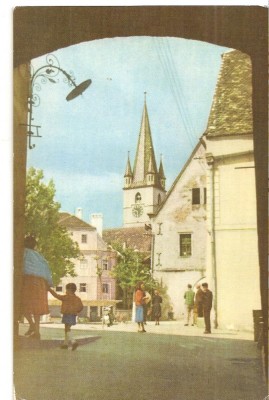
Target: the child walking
pixel 71 306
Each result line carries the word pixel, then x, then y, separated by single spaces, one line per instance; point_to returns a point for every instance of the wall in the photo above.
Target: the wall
pixel 178 215
pixel 235 230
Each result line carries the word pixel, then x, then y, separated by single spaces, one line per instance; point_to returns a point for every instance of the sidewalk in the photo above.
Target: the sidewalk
pixel 165 328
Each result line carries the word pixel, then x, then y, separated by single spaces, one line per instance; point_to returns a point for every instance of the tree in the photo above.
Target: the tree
pixel 42 221
pixel 130 269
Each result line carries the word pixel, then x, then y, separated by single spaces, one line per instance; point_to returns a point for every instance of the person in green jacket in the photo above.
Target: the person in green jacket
pixel 189 304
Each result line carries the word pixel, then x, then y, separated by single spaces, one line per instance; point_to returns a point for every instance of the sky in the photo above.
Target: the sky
pixel 85 142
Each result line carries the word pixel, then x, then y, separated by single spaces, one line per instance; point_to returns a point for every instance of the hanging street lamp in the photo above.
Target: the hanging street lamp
pixel 49 73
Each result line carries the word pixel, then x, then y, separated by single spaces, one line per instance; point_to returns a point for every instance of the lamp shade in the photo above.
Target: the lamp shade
pixel 78 90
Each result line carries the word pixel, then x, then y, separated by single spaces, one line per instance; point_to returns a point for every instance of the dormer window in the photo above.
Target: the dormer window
pixel 138 197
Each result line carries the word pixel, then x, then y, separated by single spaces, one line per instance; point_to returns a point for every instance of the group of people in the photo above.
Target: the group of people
pixel 198 305
pixel 37 281
pixel 142 299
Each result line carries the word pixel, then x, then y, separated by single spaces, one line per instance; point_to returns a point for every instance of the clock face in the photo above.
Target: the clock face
pixel 137 210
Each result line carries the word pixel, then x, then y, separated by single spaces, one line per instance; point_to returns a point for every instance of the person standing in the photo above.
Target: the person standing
pixel 139 302
pixel 156 307
pixel 207 305
pixel 146 306
pixel 71 306
pixel 189 303
pixel 36 279
pixel 198 304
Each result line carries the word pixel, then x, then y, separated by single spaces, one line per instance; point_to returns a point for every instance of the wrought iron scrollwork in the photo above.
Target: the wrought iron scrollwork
pixel 49 72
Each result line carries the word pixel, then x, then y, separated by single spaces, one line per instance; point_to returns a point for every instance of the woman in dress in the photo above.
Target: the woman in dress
pixel 156 307
pixel 139 302
pixel 36 280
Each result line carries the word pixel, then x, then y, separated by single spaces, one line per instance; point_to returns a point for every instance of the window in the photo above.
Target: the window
pixel 83 264
pixel 83 238
pixel 105 265
pixel 138 197
pixel 59 288
pixel 195 196
pixel 105 288
pixel 185 244
pixel 83 287
pixel 159 199
pixel 198 196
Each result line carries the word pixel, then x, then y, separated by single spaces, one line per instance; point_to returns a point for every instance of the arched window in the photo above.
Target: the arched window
pixel 138 197
pixel 159 199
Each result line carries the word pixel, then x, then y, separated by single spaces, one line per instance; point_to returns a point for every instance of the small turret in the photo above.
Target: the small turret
pixel 151 173
pixel 128 176
pixel 161 174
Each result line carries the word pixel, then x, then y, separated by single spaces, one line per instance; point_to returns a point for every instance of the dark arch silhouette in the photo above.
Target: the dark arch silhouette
pixel 41 30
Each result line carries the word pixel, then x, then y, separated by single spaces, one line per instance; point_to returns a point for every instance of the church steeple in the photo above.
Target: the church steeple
pixel 145 151
pixel 144 185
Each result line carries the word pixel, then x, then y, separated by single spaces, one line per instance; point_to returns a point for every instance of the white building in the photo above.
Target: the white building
pixel 179 231
pixel 232 259
pixel 95 286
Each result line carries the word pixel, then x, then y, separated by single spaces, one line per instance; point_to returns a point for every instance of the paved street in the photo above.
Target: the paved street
pixel 124 364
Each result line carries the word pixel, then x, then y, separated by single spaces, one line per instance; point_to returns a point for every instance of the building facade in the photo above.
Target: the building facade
pixel 95 286
pixel 179 232
pixel 232 256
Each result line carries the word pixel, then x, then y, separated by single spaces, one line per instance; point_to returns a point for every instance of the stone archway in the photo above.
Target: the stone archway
pixel 40 30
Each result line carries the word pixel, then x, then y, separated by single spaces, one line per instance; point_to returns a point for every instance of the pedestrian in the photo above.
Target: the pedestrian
pixel 146 306
pixel 198 305
pixel 36 279
pixel 199 300
pixel 189 303
pixel 139 302
pixel 207 305
pixel 71 306
pixel 156 307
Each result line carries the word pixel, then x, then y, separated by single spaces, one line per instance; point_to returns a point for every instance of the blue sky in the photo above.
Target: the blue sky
pixel 85 142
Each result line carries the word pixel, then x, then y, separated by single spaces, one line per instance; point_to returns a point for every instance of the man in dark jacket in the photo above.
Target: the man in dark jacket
pixel 207 305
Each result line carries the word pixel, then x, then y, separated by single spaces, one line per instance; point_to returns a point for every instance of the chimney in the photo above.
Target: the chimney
pixel 97 221
pixel 78 213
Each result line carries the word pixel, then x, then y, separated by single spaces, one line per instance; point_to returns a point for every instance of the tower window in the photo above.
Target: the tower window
pixel 159 199
pixel 138 197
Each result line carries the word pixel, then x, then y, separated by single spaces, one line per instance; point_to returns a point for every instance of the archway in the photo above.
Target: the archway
pixel 40 30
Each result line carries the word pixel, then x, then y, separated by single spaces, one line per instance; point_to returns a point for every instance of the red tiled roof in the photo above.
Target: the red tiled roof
pixel 135 238
pixel 73 222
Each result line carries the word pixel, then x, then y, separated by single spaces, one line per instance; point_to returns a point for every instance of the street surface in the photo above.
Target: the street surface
pixel 168 362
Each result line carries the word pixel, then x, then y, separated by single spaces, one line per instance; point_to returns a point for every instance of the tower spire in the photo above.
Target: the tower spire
pixel 145 151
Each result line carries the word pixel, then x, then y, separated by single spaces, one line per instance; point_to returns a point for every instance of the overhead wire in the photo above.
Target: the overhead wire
pixel 166 59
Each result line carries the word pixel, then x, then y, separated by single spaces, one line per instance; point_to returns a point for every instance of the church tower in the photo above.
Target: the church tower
pixel 144 186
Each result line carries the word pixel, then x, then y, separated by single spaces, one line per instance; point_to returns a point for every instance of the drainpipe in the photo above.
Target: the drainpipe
pixel 210 163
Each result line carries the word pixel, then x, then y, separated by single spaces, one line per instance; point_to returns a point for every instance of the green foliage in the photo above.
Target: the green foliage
pixel 130 269
pixel 41 221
